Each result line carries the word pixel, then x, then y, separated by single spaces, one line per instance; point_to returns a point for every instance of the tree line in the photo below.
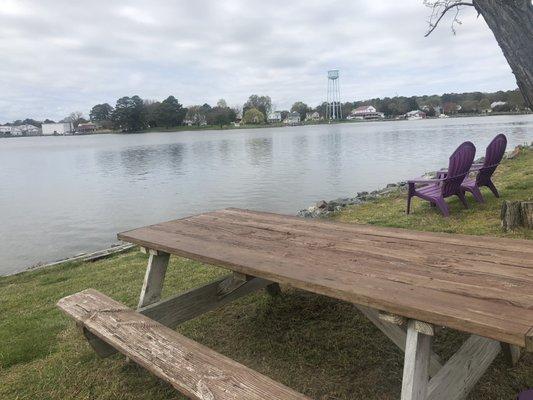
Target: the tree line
pixel 134 114
pixel 449 103
pixel 131 114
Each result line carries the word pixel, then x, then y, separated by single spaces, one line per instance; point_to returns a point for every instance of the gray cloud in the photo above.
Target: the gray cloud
pixel 59 56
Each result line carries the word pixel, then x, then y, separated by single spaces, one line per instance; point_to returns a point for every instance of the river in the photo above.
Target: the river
pixel 64 195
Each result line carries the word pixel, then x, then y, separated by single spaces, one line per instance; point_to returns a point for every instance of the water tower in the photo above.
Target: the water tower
pixel 333 107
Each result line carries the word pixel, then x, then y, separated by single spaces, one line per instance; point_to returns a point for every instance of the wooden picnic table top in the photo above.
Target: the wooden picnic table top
pixel 480 285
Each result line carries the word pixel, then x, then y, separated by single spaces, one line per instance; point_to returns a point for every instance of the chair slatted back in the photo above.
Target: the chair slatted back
pixel 493 157
pixel 460 162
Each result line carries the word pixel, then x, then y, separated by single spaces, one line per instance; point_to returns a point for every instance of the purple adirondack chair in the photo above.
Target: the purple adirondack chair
pixel 493 157
pixel 436 190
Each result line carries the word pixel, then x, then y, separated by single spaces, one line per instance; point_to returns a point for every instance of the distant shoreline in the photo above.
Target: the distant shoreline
pixel 186 128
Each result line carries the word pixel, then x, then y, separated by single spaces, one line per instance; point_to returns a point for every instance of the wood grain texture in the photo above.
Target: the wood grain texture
pixel 462 371
pixel 416 364
pixel 195 370
pixel 479 285
pixel 527 214
pixel 398 335
pixel 185 306
pixel 154 278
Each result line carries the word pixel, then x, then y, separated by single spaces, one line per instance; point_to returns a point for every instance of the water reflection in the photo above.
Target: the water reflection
pixel 176 155
pixel 259 150
pixel 65 195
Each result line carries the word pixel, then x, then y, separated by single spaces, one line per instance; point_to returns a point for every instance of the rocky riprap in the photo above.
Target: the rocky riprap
pixel 325 208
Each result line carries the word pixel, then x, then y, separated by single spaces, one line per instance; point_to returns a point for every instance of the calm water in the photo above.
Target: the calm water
pixel 64 195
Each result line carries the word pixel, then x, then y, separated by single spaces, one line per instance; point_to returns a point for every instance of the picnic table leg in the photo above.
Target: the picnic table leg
pixel 273 289
pixel 397 334
pixel 511 353
pixel 154 277
pixel 416 364
pixel 464 369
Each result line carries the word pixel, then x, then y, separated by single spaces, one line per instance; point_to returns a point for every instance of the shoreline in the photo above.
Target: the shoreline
pixel 210 128
pixel 115 248
pixel 324 209
pixel 321 209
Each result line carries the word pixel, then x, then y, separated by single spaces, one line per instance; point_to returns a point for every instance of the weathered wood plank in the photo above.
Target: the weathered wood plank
pixel 392 318
pixel 416 364
pixel 185 306
pixel 479 285
pixel 462 371
pixel 512 353
pixel 154 278
pixel 397 334
pixel 193 369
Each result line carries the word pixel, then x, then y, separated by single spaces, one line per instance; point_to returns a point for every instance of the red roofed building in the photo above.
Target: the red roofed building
pixel 365 112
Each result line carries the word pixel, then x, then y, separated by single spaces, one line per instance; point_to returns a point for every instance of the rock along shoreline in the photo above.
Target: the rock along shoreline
pixel 323 208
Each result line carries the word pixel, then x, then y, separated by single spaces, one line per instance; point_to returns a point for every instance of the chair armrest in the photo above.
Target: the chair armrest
pixel 425 180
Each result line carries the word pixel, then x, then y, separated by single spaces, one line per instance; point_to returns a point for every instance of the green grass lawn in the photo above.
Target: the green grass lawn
pixel 514 180
pixel 316 345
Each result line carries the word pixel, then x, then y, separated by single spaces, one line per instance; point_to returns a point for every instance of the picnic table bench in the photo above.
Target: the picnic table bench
pixel 407 283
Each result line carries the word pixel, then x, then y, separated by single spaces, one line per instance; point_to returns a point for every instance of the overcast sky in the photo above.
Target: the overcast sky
pixel 59 56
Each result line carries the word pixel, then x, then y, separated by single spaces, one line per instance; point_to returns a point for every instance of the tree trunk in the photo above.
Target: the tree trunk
pixel 511 21
pixel 527 214
pixel 511 215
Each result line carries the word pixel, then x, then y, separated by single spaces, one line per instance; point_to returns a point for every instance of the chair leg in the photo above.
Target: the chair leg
pixel 443 207
pixel 462 197
pixel 492 188
pixel 477 194
pixel 410 194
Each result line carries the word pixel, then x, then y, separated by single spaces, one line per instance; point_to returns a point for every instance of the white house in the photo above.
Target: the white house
pixel 497 103
pixel 19 130
pixel 60 128
pixel 415 114
pixel 314 116
pixel 28 130
pixel 16 131
pixel 363 110
pixel 5 129
pixel 274 116
pixel 366 112
pixel 293 118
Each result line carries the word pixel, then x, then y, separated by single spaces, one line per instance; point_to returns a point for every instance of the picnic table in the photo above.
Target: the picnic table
pixel 408 283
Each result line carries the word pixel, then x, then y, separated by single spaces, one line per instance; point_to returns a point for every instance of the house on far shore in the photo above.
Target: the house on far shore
pixel 26 130
pixel 6 129
pixel 495 104
pixel 87 127
pixel 293 118
pixel 60 128
pixel 415 114
pixel 20 130
pixel 274 117
pixel 314 116
pixel 437 110
pixel 365 112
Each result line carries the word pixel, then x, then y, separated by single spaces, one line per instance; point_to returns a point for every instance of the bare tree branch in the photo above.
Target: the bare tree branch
pixel 440 8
